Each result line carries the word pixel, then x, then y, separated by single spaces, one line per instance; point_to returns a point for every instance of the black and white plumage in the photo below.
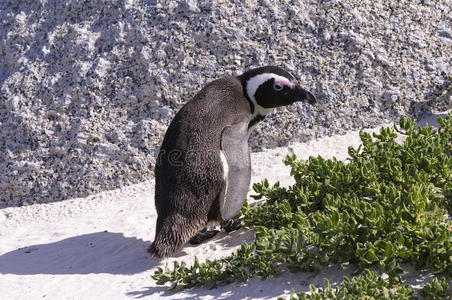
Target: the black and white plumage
pixel 203 170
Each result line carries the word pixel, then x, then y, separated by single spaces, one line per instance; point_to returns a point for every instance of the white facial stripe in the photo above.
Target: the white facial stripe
pixel 253 84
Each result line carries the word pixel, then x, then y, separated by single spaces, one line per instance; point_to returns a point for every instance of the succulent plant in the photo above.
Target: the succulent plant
pixel 387 205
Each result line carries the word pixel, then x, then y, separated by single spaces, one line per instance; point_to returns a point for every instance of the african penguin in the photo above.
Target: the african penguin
pixel 203 169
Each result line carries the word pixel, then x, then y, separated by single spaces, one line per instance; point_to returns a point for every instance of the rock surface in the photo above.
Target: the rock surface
pixel 87 88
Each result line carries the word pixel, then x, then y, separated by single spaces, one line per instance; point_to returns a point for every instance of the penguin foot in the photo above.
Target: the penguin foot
pixel 231 225
pixel 202 236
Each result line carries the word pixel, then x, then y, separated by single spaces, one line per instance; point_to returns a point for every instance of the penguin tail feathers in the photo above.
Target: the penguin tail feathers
pixel 173 232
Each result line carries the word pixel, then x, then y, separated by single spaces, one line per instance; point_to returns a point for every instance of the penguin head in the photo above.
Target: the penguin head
pixel 270 87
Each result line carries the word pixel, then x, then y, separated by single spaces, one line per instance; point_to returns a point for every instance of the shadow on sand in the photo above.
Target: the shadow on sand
pixel 100 252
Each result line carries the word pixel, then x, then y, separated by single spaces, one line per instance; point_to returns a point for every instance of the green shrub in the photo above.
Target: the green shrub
pixel 366 286
pixel 436 289
pixel 387 205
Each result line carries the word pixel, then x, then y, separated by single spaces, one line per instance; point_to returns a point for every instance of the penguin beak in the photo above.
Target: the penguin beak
pixel 298 93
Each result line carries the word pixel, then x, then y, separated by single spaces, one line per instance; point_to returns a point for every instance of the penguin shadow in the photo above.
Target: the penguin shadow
pixel 100 252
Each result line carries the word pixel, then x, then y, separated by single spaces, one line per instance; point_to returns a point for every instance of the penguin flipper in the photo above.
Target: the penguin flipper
pixel 234 144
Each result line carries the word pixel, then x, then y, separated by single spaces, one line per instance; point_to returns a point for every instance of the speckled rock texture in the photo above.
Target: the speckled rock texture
pixel 89 87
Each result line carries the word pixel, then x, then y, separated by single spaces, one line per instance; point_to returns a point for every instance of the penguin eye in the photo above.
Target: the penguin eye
pixel 278 87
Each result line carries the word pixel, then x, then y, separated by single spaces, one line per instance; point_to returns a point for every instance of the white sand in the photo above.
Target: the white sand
pixel 95 247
